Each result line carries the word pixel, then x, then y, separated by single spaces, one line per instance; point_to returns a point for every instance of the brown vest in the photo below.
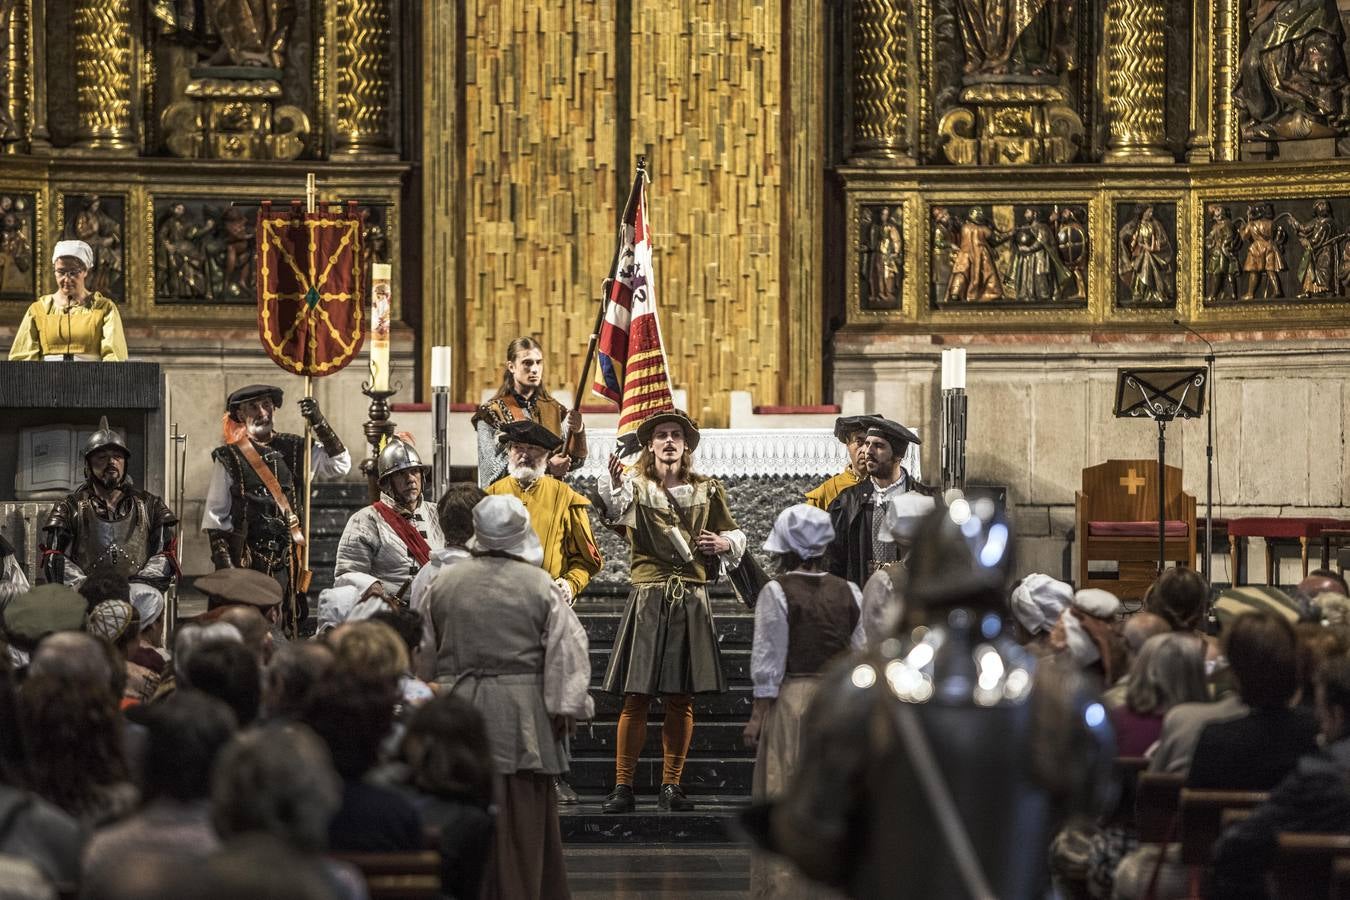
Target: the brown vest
pixel 821 617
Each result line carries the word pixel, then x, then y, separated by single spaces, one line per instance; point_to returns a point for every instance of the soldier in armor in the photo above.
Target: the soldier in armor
pixel 108 523
pixel 522 397
pixel 256 494
pixel 861 543
pixel 394 537
pixel 939 763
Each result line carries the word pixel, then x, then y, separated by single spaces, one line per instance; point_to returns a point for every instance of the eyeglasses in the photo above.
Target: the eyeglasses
pixel 69 273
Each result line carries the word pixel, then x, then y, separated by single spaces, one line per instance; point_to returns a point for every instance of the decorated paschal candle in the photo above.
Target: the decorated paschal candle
pixel 381 293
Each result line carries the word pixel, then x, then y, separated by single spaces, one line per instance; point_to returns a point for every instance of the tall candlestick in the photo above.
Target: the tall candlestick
pixel 440 367
pixel 381 293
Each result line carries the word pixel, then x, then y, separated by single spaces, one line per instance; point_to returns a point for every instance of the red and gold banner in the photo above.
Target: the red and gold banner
pixel 310 291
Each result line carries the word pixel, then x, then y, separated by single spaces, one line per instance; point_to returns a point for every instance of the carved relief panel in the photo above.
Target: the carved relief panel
pixel 19 260
pixel 1026 256
pixel 1146 255
pixel 203 251
pixel 881 255
pixel 100 220
pixel 1290 251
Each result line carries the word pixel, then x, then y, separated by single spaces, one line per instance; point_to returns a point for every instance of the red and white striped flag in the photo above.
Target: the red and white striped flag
pixel 631 361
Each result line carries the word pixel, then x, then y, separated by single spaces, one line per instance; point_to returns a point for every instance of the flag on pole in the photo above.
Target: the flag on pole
pixel 310 289
pixel 631 361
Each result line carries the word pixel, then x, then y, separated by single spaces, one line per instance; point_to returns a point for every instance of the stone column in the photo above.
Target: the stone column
pixel 103 61
pixel 879 44
pixel 17 75
pixel 364 117
pixel 1136 81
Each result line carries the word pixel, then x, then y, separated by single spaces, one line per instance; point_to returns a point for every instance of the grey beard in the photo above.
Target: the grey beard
pixel 527 474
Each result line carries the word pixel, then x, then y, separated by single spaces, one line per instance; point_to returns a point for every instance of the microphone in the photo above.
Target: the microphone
pixel 1181 324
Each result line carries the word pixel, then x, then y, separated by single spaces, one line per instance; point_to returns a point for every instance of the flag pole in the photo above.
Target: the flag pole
pixel 584 381
pixel 311 206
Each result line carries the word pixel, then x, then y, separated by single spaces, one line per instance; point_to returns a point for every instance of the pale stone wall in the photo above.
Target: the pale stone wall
pixel 1041 410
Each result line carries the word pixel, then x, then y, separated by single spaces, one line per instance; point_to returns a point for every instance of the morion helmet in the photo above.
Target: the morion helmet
pixel 397 456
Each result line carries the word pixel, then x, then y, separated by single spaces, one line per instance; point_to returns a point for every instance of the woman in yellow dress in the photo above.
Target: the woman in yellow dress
pixel 73 320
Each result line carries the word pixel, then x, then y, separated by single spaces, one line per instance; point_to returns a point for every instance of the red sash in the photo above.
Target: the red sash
pixel 412 539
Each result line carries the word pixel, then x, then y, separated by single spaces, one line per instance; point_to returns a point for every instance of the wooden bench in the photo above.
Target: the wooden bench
pixel 1204 815
pixel 1156 801
pixel 1303 864
pixel 398 876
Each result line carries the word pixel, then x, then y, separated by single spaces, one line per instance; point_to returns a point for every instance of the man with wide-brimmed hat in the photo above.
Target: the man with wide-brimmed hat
pixel 557 513
pixel 507 641
pixel 862 543
pixel 109 523
pixel 395 536
pixel 256 494
pixel 682 535
pixel 851 431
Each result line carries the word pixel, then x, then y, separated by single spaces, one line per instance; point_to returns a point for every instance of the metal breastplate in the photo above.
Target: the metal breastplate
pixel 122 544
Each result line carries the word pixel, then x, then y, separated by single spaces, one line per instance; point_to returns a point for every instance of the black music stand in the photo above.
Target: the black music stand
pixel 1161 395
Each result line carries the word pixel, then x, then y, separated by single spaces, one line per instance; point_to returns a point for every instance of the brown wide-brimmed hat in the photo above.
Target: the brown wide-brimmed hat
pixel 678 416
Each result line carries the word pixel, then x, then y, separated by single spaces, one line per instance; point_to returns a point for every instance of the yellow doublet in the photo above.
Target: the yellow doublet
pixel 822 496
pixel 93 331
pixel 558 516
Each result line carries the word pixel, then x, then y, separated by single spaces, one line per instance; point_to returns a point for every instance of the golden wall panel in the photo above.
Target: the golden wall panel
pixel 706 111
pixel 540 180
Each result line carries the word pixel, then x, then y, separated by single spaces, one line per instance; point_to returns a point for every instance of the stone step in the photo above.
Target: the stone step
pixel 709 739
pixel 735 703
pixel 735 664
pixel 702 775
pixel 710 823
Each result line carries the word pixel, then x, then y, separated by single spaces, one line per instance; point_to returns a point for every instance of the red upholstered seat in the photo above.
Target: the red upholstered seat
pixel 1173 528
pixel 1281 526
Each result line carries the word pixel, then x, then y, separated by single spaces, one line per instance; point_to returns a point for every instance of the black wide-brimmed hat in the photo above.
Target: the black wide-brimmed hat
pixel 679 417
pixel 846 425
pixel 897 435
pixel 527 431
pixel 253 392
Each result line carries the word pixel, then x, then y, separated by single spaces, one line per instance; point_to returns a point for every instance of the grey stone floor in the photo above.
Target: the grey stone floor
pixel 658 872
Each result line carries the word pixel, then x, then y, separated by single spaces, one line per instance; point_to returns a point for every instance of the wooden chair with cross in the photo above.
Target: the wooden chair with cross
pixel 1117 525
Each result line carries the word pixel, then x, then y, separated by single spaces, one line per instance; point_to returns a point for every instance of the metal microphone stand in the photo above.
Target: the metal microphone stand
pixel 1209 452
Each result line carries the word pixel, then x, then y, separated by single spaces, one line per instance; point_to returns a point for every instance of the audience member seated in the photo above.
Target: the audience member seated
pixel 445 767
pixel 253 628
pixel 32 615
pixel 408 626
pixel 1179 596
pixel 31 828
pixel 149 650
pixel 186 733
pixel 188 638
pixel 1317 643
pixel 1137 629
pixel 277 781
pixel 1037 603
pixel 104 584
pixel 227 671
pixel 1086 632
pixel 71 730
pixel 1254 752
pixel 291 676
pixel 118 624
pixel 1323 581
pixel 353 713
pixel 1169 669
pixel 1314 797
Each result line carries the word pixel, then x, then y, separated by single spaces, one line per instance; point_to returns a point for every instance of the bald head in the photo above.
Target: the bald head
pixel 1323 581
pixel 252 627
pixel 74 655
pixel 1140 627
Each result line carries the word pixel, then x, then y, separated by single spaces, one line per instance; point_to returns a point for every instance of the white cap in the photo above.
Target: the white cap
pixel 78 249
pixel 1096 602
pixel 802 529
pixel 502 523
pixel 1038 601
pixel 149 603
pixel 903 514
pixel 337 603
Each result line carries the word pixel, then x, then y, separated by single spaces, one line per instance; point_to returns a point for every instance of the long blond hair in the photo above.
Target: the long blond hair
pixel 646 467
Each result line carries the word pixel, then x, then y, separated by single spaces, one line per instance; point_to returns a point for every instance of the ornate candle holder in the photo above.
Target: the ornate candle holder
pixel 378 428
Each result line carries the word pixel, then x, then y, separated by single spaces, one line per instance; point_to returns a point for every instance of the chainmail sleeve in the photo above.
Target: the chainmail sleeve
pixel 491 462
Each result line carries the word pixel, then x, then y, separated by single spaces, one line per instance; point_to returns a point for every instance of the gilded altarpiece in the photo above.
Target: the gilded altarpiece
pixel 1203 184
